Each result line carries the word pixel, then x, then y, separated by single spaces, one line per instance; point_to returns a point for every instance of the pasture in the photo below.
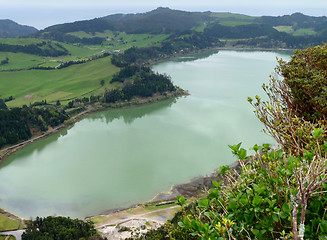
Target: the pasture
pixel 29 86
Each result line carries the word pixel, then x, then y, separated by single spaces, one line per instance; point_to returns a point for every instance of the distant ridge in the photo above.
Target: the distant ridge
pixel 11 29
pixel 288 31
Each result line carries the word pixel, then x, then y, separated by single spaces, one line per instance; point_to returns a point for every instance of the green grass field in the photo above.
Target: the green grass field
pixel 233 16
pixel 74 81
pixel 234 23
pixel 4 237
pixel 20 60
pixel 29 86
pixel 82 34
pixel 8 223
pixel 304 31
pixel 287 29
pixel 21 41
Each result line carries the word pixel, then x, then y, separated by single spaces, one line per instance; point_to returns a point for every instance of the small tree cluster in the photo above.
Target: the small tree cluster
pixel 58 228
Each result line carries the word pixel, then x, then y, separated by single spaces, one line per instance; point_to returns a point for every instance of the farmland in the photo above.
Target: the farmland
pixel 35 85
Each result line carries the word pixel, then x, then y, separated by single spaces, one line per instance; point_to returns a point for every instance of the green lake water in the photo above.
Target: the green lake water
pixel 117 158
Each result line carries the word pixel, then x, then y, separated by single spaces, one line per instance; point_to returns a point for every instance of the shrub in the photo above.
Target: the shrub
pixel 276 196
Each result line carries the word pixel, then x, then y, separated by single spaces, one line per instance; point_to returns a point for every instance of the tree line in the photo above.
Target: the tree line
pixel 143 83
pixel 46 49
pixel 16 124
pixel 186 41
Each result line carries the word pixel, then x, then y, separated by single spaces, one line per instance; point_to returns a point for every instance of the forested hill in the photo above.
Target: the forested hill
pixel 161 20
pixel 289 31
pixel 9 28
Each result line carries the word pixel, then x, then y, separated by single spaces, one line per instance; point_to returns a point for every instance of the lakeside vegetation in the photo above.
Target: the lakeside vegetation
pixel 277 193
pixel 242 207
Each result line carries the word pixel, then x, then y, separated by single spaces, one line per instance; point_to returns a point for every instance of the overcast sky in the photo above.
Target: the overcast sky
pixel 44 13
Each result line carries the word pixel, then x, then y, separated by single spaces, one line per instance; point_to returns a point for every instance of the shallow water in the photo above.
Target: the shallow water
pixel 120 157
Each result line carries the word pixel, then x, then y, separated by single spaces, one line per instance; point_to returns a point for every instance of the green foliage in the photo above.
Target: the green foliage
pixel 42 49
pixel 58 228
pixel 305 75
pixel 11 29
pixel 16 123
pixel 258 203
pixel 7 224
pixel 238 151
pixel 3 105
pixel 297 104
pixel 240 31
pixel 67 83
pixel 166 232
pixel 145 83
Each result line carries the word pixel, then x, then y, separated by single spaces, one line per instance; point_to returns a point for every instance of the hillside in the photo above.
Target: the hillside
pixel 289 31
pixel 9 29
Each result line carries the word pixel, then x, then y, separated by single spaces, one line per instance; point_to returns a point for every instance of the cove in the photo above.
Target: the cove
pixel 120 157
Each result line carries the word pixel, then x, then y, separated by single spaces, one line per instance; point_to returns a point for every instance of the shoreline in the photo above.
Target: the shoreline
pixel 96 107
pixel 228 48
pixel 186 189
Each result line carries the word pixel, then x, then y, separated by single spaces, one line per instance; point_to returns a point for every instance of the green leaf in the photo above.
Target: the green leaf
pixel 223 170
pixel 232 204
pixel 286 208
pixel 242 153
pixel 257 200
pixel 323 226
pixel 235 148
pixel 283 215
pixel 216 184
pixel 181 200
pixel 203 203
pixel 275 217
pixel 182 225
pixel 266 147
pixel 317 133
pixel 256 232
pixel 256 148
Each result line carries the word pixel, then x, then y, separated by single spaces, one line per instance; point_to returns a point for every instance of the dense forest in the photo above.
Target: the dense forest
pixel 17 124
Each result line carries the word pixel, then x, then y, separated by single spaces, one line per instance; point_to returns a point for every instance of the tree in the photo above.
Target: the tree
pixel 3 104
pixel 297 102
pixel 58 228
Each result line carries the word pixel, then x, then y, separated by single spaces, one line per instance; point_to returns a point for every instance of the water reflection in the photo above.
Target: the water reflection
pixel 120 157
pixel 129 115
pixel 196 56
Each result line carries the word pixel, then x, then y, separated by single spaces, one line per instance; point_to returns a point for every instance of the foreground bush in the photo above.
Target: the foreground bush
pixel 279 194
pixel 276 196
pixel 297 100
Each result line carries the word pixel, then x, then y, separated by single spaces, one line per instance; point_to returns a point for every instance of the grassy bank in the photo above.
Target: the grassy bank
pixel 10 222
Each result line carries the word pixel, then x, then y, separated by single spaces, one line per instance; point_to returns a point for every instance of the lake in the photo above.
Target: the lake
pixel 120 157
